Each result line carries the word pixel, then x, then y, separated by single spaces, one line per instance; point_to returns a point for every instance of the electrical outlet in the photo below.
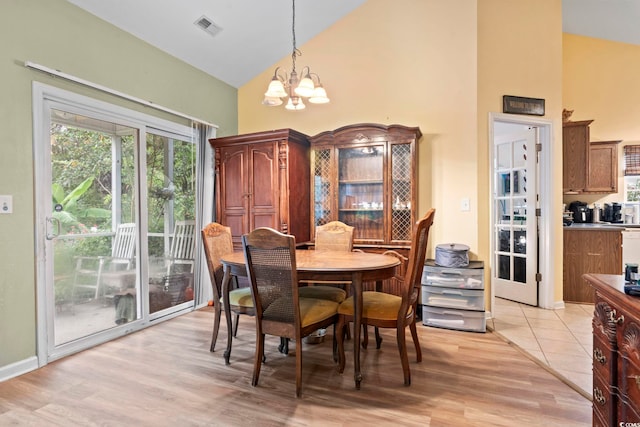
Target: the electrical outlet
pixel 465 205
pixel 6 204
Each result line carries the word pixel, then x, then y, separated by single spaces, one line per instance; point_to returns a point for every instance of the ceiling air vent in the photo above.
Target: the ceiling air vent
pixel 208 25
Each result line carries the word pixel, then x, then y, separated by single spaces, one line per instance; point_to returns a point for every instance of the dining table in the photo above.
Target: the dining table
pixel 355 267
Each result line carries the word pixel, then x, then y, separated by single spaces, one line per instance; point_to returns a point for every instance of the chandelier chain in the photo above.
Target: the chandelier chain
pixel 295 52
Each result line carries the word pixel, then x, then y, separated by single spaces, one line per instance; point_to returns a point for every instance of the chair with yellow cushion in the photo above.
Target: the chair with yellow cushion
pixel 279 310
pixel 384 310
pixel 217 242
pixel 333 236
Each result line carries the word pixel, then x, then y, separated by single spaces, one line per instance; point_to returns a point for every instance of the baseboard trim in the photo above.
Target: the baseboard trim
pixel 18 368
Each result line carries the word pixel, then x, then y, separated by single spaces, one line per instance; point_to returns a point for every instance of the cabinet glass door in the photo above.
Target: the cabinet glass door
pixel 361 191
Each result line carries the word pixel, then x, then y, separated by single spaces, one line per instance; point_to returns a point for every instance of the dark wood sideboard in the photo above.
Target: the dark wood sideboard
pixel 616 352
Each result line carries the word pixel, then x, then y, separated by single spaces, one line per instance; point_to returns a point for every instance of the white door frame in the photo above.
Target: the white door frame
pixel 546 249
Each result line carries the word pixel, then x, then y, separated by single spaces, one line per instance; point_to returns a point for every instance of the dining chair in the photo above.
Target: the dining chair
pixel 384 310
pixel 217 242
pixel 94 274
pixel 332 236
pixel 279 310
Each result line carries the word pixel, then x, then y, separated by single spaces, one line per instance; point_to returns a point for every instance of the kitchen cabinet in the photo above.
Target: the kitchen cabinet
pixel 365 176
pixel 589 167
pixel 602 173
pixel 616 352
pixel 262 180
pixel 589 250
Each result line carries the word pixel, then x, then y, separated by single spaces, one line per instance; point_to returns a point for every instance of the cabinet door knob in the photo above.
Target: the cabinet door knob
pixel 598 356
pixel 612 317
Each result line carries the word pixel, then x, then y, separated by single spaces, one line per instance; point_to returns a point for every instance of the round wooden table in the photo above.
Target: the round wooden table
pixel 356 267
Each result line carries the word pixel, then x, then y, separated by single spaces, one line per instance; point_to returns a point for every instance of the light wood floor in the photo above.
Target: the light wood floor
pixel 166 376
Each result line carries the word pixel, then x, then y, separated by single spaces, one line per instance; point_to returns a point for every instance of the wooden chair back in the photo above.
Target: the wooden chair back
pixel 334 236
pixel 217 241
pixel 271 268
pixel 413 275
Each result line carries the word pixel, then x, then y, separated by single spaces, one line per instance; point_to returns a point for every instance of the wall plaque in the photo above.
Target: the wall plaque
pixel 520 105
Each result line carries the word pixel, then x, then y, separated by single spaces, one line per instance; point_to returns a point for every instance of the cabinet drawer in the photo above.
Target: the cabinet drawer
pixel 603 359
pixel 465 299
pixel 454 319
pixel 629 386
pixel 453 277
pixel 604 402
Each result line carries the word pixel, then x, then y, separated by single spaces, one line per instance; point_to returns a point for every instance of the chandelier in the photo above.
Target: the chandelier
pixel 282 86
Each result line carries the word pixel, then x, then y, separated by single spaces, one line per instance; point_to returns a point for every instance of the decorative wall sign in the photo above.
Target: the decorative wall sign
pixel 520 105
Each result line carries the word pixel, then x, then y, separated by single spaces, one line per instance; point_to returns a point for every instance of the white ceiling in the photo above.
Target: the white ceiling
pixel 257 33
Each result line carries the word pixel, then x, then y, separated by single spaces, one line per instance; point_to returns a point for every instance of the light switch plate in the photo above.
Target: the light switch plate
pixel 465 205
pixel 6 204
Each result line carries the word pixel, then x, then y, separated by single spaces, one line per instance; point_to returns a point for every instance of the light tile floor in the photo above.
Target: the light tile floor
pixel 559 340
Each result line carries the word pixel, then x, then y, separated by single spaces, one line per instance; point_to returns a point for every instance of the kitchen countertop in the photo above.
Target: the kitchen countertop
pixel 600 226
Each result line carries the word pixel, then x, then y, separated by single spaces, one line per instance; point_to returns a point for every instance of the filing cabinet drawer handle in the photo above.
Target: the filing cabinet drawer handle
pixel 598 396
pixel 612 317
pixel 598 356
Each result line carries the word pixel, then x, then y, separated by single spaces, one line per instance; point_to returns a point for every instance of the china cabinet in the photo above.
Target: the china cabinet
pixel 365 176
pixel 262 180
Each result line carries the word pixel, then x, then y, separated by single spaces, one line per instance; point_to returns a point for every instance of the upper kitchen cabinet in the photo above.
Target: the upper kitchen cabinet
pixel 588 167
pixel 262 180
pixel 365 176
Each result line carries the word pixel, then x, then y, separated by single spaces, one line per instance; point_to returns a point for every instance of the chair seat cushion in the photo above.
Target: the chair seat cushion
pixel 314 310
pixel 331 293
pixel 240 297
pixel 375 305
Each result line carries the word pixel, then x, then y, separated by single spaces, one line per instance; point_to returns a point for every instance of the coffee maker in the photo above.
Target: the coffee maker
pixel 612 213
pixel 581 213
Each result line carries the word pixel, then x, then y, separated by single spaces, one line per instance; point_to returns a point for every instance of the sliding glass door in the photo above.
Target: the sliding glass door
pixel 117 213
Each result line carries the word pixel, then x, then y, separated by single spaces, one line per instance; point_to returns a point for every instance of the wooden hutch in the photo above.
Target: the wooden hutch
pixel 262 180
pixel 365 175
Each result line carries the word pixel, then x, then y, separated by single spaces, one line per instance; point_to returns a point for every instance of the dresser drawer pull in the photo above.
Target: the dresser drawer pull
pixel 598 396
pixel 612 317
pixel 598 356
pixel 637 380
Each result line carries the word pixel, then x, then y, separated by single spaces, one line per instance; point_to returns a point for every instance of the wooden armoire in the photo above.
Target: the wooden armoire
pixel 262 180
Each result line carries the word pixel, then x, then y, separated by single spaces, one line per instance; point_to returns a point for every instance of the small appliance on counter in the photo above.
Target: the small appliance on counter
pixel 581 213
pixel 612 213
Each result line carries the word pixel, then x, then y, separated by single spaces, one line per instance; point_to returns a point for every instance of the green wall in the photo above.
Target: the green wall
pixel 59 35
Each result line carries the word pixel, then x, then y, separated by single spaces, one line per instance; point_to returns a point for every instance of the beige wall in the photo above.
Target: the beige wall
pixel 442 66
pixel 59 35
pixel 520 53
pixel 411 62
pixel 601 83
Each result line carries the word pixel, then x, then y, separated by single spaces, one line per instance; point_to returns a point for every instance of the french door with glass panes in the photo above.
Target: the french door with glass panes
pixel 515 235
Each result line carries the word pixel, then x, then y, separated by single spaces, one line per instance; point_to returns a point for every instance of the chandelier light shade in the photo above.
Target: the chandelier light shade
pixel 282 86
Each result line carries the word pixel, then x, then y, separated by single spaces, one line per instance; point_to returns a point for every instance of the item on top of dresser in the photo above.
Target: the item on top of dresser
pixel 633 290
pixel 452 255
pixel 631 273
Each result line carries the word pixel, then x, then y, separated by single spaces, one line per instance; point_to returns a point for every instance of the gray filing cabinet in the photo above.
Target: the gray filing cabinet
pixel 453 298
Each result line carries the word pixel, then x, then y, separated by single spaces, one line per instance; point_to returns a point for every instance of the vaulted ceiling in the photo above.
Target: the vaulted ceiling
pixel 252 35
